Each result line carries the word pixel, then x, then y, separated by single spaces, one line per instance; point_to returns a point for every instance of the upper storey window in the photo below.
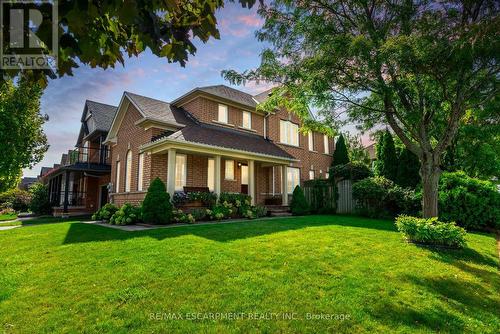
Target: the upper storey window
pixel 247 120
pixel 223 114
pixel 327 148
pixel 289 133
pixel 310 139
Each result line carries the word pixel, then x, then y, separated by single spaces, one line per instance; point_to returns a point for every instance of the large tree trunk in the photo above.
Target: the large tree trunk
pixel 430 173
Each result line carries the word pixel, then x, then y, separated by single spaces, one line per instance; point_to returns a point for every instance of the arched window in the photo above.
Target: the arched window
pixel 128 171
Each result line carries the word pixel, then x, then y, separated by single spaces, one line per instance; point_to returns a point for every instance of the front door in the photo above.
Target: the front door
pixel 104 195
pixel 244 179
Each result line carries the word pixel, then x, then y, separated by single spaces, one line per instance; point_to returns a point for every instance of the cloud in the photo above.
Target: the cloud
pixel 252 20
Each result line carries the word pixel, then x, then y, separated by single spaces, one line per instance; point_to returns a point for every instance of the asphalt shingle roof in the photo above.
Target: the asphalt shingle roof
pixel 230 94
pixel 156 109
pixel 103 114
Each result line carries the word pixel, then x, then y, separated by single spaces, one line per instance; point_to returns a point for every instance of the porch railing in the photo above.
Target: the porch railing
pixel 75 198
pixel 88 155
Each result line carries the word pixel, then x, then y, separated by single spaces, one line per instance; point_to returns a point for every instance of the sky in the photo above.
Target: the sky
pixel 64 98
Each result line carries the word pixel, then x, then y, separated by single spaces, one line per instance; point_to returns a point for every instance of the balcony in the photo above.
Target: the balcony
pixel 89 156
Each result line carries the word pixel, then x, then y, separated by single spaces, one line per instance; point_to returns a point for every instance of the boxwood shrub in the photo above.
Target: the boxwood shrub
pixel 156 207
pixel 431 231
pixel 471 203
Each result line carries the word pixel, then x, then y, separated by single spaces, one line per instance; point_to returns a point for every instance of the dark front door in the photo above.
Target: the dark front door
pixel 104 195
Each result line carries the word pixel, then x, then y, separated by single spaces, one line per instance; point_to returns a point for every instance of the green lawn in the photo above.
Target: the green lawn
pixel 73 277
pixel 8 216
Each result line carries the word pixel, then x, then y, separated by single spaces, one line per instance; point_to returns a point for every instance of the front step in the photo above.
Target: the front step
pixel 278 210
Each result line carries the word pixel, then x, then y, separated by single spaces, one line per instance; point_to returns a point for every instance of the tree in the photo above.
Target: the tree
pixel 156 208
pixel 101 33
pixel 387 160
pixel 417 66
pixel 40 203
pixel 22 139
pixel 298 205
pixel 356 149
pixel 340 155
pixel 407 174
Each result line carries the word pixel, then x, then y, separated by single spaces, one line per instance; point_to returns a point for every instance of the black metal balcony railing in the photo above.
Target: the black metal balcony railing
pixel 87 155
pixel 75 198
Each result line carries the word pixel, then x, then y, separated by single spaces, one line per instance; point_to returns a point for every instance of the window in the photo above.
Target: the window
pixel 325 141
pixel 229 170
pixel 117 185
pixel 180 171
pixel 223 114
pixel 140 172
pixel 327 175
pixel 211 174
pixel 247 120
pixel 128 171
pixel 310 138
pixel 289 133
pixel 311 175
pixel 293 176
pixel 244 174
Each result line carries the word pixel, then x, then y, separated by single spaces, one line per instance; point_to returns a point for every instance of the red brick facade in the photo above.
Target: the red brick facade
pixel 131 136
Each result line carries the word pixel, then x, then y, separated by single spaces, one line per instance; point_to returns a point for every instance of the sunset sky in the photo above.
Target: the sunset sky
pixel 148 75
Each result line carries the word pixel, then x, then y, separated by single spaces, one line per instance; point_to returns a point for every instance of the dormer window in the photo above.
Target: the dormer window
pixel 223 114
pixel 247 120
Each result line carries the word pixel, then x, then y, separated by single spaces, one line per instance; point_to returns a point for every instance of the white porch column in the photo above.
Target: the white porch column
pixel 251 180
pixel 284 185
pixel 171 172
pixel 217 178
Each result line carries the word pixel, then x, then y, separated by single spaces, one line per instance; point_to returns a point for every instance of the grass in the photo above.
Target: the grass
pixel 41 220
pixel 73 277
pixel 8 216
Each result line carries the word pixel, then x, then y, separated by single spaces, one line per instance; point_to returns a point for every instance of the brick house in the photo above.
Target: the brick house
pixel 211 137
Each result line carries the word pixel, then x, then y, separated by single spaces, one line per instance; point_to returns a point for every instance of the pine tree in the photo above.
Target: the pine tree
pixel 340 155
pixel 408 169
pixel 387 160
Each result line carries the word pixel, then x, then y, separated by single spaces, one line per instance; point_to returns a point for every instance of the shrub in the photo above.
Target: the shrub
pixel 220 211
pixel 472 203
pixel 156 208
pixel 298 205
pixel 207 198
pixel 431 231
pixel 379 197
pixel 255 212
pixel 105 213
pixel 355 171
pixel 17 199
pixel 340 155
pixel 387 160
pixel 322 195
pixel 199 214
pixel 236 199
pixel 185 218
pixel 126 215
pixel 40 203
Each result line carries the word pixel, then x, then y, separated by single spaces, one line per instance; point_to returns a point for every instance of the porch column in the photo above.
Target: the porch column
pixel 66 191
pixel 284 185
pixel 217 178
pixel 251 180
pixel 171 172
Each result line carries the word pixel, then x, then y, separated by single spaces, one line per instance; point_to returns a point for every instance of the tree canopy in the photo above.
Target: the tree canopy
pixel 387 160
pixel 22 140
pixel 417 66
pixel 102 33
pixel 340 155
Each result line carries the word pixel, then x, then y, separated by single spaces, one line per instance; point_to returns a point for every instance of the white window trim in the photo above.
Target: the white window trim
pixel 249 125
pixel 183 180
pixel 287 136
pixel 117 185
pixel 313 174
pixel 140 172
pixel 310 140
pixel 226 164
pixel 128 171
pixel 290 182
pixel 225 109
pixel 326 144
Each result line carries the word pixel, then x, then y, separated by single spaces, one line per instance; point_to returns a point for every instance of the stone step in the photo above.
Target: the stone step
pixel 280 214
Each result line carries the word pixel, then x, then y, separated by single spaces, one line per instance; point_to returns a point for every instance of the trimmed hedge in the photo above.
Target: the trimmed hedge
pixel 156 207
pixel 431 231
pixel 472 203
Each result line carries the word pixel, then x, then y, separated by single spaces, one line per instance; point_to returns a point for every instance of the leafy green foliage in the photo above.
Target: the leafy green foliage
pixel 379 197
pixel 40 203
pixel 407 174
pixel 472 203
pixel 340 155
pixel 23 141
pixel 431 231
pixel 355 171
pixel 387 160
pixel 181 198
pixel 321 195
pixel 236 199
pixel 103 33
pixel 221 211
pixel 156 207
pixel 126 215
pixel 356 149
pixel 181 217
pixel 298 205
pixel 17 199
pixel 105 212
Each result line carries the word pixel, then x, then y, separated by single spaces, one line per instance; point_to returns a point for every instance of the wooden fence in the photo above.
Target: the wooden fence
pixel 325 196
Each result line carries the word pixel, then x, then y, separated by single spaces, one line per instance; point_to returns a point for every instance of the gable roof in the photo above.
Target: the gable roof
pixel 222 92
pixel 102 113
pixel 154 109
pixel 261 97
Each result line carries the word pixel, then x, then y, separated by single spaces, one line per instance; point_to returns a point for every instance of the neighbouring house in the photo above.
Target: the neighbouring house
pixel 212 138
pixel 26 183
pixel 79 184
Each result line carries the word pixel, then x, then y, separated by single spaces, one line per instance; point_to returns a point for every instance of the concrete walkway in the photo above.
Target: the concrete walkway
pixel 4 228
pixel 146 227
